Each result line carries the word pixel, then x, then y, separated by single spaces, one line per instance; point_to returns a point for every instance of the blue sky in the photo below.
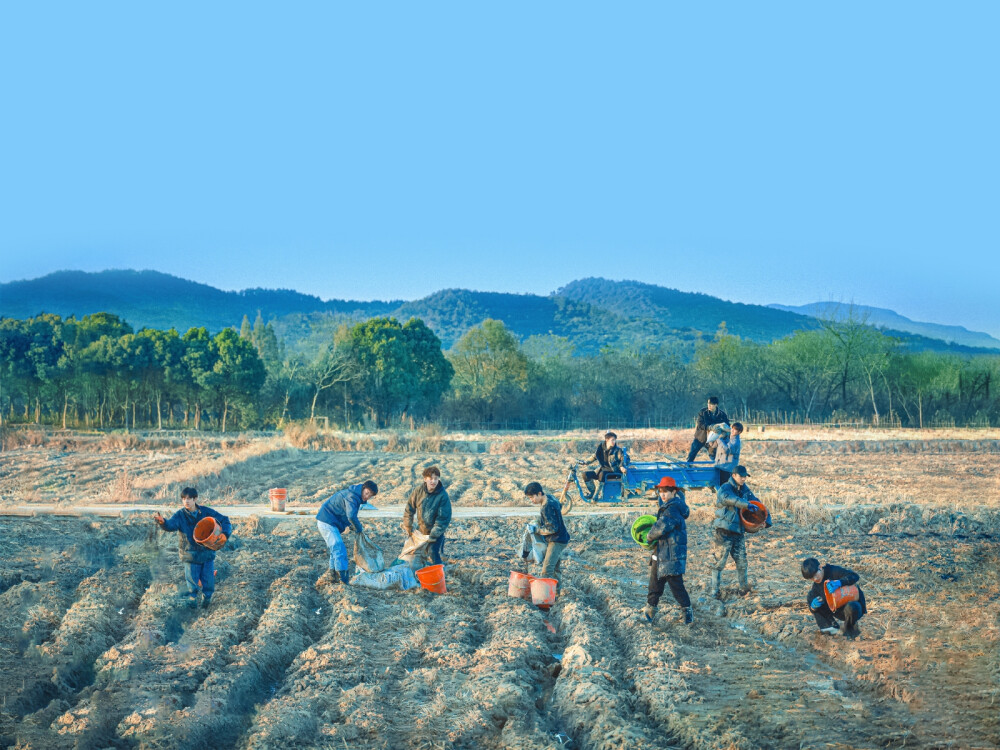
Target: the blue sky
pixel 778 152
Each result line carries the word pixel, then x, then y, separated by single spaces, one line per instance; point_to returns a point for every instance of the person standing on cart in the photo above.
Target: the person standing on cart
pixel 707 417
pixel 727 454
pixel 610 459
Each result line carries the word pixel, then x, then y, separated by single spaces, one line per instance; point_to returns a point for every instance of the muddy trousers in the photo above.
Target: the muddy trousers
pixel 550 563
pixel 850 613
pixel 203 573
pixel 334 543
pixel 725 546
pixel 657 585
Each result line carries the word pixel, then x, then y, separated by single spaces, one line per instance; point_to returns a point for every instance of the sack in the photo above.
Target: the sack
pixel 533 543
pixel 397 577
pixel 367 554
pixel 413 543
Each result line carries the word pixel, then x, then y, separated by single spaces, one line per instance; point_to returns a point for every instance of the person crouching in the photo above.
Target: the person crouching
pixel 551 527
pixel 669 559
pixel 199 560
pixel 849 613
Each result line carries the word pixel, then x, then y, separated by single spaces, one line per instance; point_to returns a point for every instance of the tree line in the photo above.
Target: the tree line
pixel 97 372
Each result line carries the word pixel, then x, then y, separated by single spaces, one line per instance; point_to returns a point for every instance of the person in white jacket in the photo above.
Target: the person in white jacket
pixel 727 452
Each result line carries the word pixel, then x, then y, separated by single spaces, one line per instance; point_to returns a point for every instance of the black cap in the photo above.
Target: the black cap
pixel 742 471
pixel 533 488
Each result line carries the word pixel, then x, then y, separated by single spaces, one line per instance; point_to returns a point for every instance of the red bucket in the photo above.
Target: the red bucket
pixel 208 533
pixel 278 497
pixel 520 585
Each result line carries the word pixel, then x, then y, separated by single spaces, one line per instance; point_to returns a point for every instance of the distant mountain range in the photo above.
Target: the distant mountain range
pixel 882 318
pixel 590 313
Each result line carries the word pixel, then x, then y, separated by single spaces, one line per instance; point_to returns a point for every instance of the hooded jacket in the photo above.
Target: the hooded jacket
pixel 729 501
pixel 340 510
pixel 432 509
pixel 184 522
pixel 670 534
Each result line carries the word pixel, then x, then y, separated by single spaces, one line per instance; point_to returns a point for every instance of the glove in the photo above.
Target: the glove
pixel 532 528
pixel 816 603
pixel 832 586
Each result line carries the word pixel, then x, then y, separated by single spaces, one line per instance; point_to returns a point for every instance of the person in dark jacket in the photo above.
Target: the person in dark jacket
pixel 707 417
pixel 199 560
pixel 826 619
pixel 550 525
pixel 728 534
pixel 430 504
pixel 669 559
pixel 610 459
pixel 336 514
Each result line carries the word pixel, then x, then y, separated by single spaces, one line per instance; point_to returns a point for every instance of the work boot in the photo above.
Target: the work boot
pixel 205 602
pixel 344 577
pixel 688 615
pixel 648 613
pixel 591 490
pixel 187 600
pixel 830 630
pixel 713 584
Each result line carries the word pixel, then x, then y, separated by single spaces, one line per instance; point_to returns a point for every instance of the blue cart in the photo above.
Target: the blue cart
pixel 637 478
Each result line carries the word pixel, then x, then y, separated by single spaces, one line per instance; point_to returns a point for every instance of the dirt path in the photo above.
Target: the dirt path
pixel 294 511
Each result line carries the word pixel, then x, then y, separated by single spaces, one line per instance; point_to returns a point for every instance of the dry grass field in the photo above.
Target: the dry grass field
pixel 96 654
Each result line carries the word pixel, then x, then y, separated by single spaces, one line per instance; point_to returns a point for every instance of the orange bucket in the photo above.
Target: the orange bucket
pixel 754 518
pixel 208 533
pixel 543 592
pixel 432 578
pixel 840 596
pixel 520 585
pixel 278 497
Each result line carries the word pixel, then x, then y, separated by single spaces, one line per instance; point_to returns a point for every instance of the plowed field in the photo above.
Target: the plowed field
pixel 97 652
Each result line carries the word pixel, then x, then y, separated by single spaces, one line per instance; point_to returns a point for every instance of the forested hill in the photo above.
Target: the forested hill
pixel 677 309
pixel 159 300
pixel 878 316
pixel 590 313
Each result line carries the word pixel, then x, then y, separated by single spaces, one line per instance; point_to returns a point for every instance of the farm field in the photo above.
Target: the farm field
pixel 97 654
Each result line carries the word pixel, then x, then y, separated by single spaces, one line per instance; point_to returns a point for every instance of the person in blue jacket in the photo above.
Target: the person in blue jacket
pixel 336 514
pixel 552 528
pixel 199 560
pixel 668 561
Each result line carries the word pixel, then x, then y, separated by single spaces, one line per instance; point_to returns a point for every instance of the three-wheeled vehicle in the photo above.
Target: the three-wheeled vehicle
pixel 636 478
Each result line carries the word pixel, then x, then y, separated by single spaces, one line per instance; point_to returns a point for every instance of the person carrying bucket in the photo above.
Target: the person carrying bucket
pixel 199 560
pixel 336 514
pixel 837 586
pixel 551 527
pixel 430 504
pixel 728 534
pixel 669 558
